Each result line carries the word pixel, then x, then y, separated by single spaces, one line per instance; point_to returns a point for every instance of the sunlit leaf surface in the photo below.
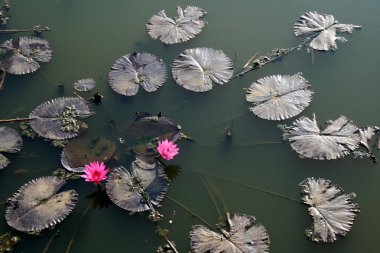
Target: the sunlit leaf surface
pixel 57 118
pixel 186 25
pixel 332 210
pixel 279 97
pixel 132 70
pixel 338 139
pixel 196 69
pixel 138 189
pixel 24 54
pixel 10 142
pixel 85 149
pixel 323 30
pixel 244 236
pixel 37 205
pixel 144 131
pixel 84 84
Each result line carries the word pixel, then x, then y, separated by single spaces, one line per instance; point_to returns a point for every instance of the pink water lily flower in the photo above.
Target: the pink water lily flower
pixel 167 149
pixel 95 172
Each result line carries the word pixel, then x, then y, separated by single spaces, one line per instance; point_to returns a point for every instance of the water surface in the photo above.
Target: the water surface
pixel 89 35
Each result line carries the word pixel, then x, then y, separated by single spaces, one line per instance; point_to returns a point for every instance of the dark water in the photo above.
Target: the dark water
pixel 88 36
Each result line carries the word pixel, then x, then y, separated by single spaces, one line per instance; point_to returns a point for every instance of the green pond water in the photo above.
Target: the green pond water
pixel 89 35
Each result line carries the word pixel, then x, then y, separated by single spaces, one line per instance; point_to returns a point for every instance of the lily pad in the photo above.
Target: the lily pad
pixel 37 205
pixel 57 118
pixel 322 28
pixel 332 210
pixel 85 149
pixel 244 236
pixel 196 69
pixel 145 131
pixel 338 139
pixel 84 84
pixel 132 70
pixel 138 189
pixel 10 142
pixel 24 54
pixel 279 97
pixel 186 25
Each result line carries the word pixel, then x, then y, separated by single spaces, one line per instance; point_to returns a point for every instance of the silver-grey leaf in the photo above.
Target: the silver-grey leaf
pixel 244 236
pixel 132 70
pixel 332 210
pixel 3 161
pixel 187 24
pixel 196 69
pixel 84 84
pixel 47 117
pixel 279 97
pixel 322 28
pixel 37 205
pixel 25 54
pixel 10 140
pixel 137 189
pixel 19 64
pixel 339 138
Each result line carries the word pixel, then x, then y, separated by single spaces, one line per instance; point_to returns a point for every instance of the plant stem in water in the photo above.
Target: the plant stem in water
pixel 190 212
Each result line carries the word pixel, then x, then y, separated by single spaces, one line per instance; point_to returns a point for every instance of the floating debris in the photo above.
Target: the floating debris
pixel 37 205
pixel 244 235
pixel 187 24
pixel 132 70
pixel 279 97
pixel 322 28
pixel 138 189
pixel 58 118
pixel 25 53
pixel 84 84
pixel 4 9
pixel 338 139
pixel 7 241
pixel 10 142
pixel 144 133
pixel 196 69
pixel 332 210
pixel 97 98
pixel 85 149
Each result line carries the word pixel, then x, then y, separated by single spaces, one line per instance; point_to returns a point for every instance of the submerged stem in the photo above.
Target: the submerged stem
pixel 76 228
pixel 190 212
pixel 14 120
pixel 53 236
pixel 249 186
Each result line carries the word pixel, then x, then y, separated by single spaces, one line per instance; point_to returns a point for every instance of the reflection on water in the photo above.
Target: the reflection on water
pixel 233 148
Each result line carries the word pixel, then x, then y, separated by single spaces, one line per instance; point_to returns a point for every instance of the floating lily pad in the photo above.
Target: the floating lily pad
pixel 133 70
pixel 332 210
pixel 37 205
pixel 85 149
pixel 338 139
pixel 145 131
pixel 10 142
pixel 24 54
pixel 186 25
pixel 196 69
pixel 57 118
pixel 84 84
pixel 138 189
pixel 279 97
pixel 244 236
pixel 322 29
